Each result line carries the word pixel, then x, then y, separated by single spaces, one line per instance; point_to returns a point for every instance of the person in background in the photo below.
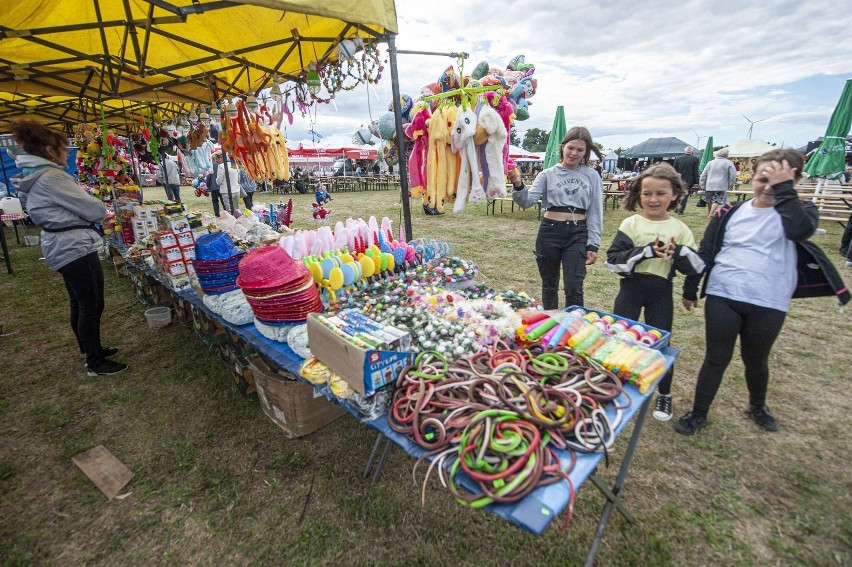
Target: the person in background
pixel 169 176
pixel 687 166
pixel 213 185
pixel 376 169
pixel 718 176
pixel 647 250
pixel 248 186
pixel 234 178
pixel 757 259
pixel 571 194
pixel 599 168
pixel 69 241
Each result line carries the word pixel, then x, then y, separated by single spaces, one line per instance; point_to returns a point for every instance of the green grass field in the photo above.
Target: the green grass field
pixel 216 482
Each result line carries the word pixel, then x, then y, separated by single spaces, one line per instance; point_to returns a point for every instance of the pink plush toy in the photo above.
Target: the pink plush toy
pixel 506 111
pixel 418 132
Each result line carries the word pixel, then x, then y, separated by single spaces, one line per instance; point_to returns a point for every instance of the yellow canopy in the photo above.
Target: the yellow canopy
pixel 173 50
pixel 60 112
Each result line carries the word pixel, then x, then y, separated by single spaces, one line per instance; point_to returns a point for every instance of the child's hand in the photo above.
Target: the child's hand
pixel 689 303
pixel 780 172
pixel 660 249
pixel 515 178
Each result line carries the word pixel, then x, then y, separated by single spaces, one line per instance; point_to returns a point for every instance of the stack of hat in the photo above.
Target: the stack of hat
pixel 279 289
pixel 217 263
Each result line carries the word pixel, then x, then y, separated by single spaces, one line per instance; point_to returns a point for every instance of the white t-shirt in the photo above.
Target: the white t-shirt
pixel 757 263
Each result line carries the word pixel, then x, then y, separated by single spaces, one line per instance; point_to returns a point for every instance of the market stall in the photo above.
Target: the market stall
pixel 552 391
pixel 418 317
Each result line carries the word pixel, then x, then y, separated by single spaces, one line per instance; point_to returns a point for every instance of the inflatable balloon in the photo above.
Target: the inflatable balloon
pixel 389 153
pixel 405 103
pixel 386 126
pixel 374 128
pixel 362 136
pixel 480 70
pixel 347 48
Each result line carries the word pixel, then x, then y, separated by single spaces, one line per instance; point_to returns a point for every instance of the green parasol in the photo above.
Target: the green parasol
pixel 707 155
pixel 551 156
pixel 829 158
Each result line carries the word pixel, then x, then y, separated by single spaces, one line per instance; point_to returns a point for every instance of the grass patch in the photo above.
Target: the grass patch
pixel 216 482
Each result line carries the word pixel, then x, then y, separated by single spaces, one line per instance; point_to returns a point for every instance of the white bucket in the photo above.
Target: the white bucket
pixel 158 317
pixel 31 239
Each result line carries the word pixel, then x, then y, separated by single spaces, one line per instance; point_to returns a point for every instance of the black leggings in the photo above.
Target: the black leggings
pixel 84 280
pixel 757 327
pixel 654 294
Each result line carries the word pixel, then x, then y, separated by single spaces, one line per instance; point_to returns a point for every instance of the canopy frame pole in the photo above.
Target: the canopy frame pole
pixel 400 140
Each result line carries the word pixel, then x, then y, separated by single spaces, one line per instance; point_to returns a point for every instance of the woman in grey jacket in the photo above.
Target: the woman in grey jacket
pixel 69 241
pixel 718 176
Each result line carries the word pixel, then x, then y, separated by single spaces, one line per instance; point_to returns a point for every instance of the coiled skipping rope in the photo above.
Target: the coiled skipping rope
pixel 499 414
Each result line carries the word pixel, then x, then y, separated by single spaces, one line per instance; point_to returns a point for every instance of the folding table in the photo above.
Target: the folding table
pixel 535 512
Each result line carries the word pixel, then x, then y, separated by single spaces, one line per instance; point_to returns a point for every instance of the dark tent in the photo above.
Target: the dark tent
pixel 655 148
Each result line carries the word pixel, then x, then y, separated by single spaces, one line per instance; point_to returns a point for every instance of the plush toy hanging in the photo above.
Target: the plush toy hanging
pixel 492 165
pixel 462 137
pixel 442 167
pixel 417 160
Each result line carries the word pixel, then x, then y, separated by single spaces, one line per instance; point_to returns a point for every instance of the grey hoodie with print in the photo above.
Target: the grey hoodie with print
pixel 54 201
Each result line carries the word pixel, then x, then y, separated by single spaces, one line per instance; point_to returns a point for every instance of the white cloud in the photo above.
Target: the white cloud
pixel 630 71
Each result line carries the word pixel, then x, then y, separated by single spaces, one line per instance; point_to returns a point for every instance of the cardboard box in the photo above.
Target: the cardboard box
pixel 290 403
pixel 172 254
pixel 185 238
pixel 188 252
pixel 366 370
pixel 176 268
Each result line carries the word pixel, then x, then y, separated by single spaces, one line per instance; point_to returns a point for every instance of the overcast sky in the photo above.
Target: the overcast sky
pixel 633 70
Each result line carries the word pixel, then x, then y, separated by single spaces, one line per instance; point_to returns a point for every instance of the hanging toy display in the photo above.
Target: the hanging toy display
pixel 458 133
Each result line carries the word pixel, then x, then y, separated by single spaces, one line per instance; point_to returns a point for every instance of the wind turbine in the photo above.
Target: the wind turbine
pixel 752 123
pixel 698 140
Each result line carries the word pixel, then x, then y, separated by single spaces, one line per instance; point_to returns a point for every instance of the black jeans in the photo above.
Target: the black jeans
pixel 654 295
pixel 846 240
pixel 757 327
pixel 560 249
pixel 217 198
pixel 247 200
pixel 84 280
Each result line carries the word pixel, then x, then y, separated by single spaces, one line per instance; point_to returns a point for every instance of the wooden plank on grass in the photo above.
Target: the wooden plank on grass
pixel 108 473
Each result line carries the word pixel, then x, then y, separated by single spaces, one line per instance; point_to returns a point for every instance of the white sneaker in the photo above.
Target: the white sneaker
pixel 663 408
pixel 849 263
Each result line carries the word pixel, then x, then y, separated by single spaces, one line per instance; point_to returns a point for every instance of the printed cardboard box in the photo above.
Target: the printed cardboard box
pixel 365 370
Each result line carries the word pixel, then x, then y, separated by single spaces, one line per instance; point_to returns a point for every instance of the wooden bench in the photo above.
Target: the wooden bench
pixel 492 205
pixel 833 206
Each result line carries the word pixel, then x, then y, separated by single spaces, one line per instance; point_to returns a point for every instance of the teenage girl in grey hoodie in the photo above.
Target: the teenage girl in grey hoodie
pixel 66 214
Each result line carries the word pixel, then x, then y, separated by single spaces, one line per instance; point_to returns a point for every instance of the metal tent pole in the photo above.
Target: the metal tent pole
pixel 400 139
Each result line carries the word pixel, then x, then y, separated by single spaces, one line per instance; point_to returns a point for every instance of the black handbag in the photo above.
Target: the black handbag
pixel 701 202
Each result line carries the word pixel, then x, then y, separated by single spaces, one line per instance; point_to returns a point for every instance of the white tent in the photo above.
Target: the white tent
pixel 748 148
pixel 609 161
pixel 520 154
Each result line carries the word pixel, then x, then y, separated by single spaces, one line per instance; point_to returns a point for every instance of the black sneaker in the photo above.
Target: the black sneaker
pixel 689 424
pixel 105 352
pixel 107 368
pixel 663 408
pixel 763 417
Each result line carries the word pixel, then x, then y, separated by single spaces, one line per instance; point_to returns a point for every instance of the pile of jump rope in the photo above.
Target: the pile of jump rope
pixel 499 415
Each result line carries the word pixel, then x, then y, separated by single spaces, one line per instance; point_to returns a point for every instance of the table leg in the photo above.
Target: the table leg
pixel 614 496
pixel 377 466
pixel 5 248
